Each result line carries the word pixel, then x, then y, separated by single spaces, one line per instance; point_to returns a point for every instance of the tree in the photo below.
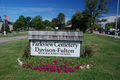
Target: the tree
pixel 46 23
pixel 7 29
pixel 39 26
pixel 61 20
pixel 68 22
pixel 22 19
pixel 55 20
pixel 0 19
pixel 49 24
pixel 98 26
pixel 52 25
pixel 17 25
pixel 20 23
pixel 95 8
pixel 80 21
pixel 27 22
pixel 108 27
pixel 37 23
pixel 110 24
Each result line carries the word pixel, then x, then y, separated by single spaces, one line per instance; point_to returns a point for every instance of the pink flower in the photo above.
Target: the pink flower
pixel 59 70
pixel 81 65
pixel 40 68
pixel 77 66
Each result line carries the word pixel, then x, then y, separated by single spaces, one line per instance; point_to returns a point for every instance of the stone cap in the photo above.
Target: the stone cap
pixel 56 35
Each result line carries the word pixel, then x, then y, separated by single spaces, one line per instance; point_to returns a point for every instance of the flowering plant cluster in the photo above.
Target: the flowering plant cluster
pixel 55 65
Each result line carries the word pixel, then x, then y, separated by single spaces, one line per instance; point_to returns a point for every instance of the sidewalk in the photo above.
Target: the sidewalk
pixel 97 32
pixel 7 39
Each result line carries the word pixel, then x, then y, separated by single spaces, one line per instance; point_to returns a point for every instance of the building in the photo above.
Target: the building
pixel 10 26
pixel 68 27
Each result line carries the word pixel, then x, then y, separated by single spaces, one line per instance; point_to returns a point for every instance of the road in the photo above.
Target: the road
pixel 7 39
pixel 97 32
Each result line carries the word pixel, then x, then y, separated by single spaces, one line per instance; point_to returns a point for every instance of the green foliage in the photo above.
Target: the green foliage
pixel 111 24
pixel 89 50
pixel 98 26
pixel 47 23
pixel 37 23
pixel 59 21
pixel 108 27
pixel 26 52
pixel 69 22
pixel 95 8
pixel 107 62
pixel 71 62
pixel 49 28
pixel 80 21
pixel 55 21
pixel 7 29
pixel 22 23
pixel 35 20
pixel 27 22
pixel 17 25
pixel 52 25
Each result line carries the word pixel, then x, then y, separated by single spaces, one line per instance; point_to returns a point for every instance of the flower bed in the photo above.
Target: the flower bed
pixel 56 64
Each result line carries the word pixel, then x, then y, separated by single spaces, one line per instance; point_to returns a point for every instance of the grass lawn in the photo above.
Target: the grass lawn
pixel 107 62
pixel 16 34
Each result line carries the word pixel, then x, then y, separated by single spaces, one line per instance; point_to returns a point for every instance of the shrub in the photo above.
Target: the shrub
pixel 90 49
pixel 49 28
pixel 87 51
pixel 26 52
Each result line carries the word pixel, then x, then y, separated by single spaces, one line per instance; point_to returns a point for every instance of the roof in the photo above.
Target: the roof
pixel 56 35
pixel 68 26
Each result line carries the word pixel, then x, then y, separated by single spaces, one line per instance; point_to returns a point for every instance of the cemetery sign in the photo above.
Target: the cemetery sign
pixel 55 43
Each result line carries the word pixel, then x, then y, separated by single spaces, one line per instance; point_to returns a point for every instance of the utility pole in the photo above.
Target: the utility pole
pixel 116 18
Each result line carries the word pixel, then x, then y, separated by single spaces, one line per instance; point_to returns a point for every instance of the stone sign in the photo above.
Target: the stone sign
pixel 55 43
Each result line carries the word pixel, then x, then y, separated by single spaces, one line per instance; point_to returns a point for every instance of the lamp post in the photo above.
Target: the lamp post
pixel 116 18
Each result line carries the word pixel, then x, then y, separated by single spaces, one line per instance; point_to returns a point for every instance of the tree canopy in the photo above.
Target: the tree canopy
pixel 68 22
pixel 37 22
pixel 59 21
pixel 80 21
pixel 95 9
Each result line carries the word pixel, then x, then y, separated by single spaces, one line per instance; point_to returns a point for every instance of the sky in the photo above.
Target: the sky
pixel 49 9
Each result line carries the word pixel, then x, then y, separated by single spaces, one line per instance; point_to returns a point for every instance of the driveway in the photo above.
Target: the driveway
pixel 7 39
pixel 97 32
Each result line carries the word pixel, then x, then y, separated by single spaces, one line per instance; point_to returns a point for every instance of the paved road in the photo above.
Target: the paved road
pixel 7 39
pixel 96 32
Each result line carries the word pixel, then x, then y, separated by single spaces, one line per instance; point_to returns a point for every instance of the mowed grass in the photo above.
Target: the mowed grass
pixel 11 34
pixel 107 62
